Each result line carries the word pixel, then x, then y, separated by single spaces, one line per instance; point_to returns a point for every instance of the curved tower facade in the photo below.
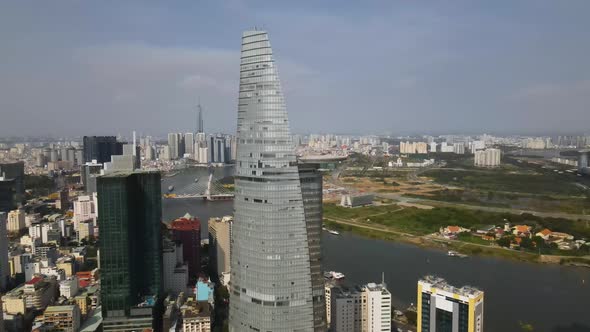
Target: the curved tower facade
pixel 271 281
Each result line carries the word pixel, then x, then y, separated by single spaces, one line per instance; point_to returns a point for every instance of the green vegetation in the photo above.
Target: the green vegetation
pixel 547 183
pixel 413 220
pixel 40 184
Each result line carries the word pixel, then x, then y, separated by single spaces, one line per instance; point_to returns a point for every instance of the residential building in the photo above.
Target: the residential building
pixel 16 220
pixel 85 208
pixel 189 145
pixel 220 243
pixel 378 308
pixel 442 307
pixel 69 288
pixel 39 292
pixel 65 318
pixel 487 158
pixel 196 316
pixel 271 277
pixel 129 217
pixel 187 230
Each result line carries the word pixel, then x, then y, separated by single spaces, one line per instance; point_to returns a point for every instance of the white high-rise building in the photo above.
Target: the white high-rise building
pixel 68 288
pixel 363 309
pixel 487 158
pixel 85 208
pixel 189 145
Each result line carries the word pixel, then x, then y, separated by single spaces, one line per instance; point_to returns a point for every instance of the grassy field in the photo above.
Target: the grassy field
pixel 508 181
pixel 541 203
pixel 421 222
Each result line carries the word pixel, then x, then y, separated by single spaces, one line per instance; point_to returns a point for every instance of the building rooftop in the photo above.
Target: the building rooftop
pixel 126 173
pixel 440 283
pixel 186 224
pixel 59 308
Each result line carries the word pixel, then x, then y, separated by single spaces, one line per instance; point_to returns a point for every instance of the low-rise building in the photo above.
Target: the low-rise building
pixel 196 316
pixel 64 318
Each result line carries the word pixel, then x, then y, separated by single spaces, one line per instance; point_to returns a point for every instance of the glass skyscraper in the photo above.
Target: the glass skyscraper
pixel 130 215
pixel 271 269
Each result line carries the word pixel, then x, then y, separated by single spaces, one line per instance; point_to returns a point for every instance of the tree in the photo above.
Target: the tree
pixel 504 241
pixel 526 243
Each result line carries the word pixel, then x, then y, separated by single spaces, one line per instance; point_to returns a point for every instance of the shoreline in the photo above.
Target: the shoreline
pixel 466 248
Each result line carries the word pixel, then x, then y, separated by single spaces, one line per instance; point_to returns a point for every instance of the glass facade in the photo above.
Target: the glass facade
pixel 271 282
pixel 101 148
pixel 130 212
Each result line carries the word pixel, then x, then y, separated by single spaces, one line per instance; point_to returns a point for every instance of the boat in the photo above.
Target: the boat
pixel 453 253
pixel 334 275
pixel 333 232
pixel 196 180
pixel 170 188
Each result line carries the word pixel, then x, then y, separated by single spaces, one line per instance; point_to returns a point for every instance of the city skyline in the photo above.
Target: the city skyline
pixel 457 67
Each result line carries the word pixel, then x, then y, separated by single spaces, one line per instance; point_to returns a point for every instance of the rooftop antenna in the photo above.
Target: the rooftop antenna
pixel 383 279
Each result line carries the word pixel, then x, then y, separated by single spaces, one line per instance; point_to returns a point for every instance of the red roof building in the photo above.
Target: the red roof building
pixel 187 230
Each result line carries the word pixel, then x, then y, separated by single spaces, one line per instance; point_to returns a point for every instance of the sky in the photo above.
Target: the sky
pixel 397 67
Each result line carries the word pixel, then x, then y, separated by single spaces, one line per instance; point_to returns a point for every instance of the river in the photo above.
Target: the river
pixel 552 298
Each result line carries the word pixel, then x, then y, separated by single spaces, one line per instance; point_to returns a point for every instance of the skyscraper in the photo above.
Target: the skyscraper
pixel 101 148
pixel 16 171
pixel 442 307
pixel 187 230
pixel 130 213
pixel 271 274
pixel 4 269
pixel 200 125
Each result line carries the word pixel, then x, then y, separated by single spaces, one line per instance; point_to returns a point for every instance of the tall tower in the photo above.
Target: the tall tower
pixel 129 217
pixel 200 126
pixel 271 274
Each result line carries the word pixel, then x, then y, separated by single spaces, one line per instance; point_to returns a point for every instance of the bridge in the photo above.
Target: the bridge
pixel 207 188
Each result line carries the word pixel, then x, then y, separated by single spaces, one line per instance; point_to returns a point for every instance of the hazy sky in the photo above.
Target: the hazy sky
pixel 107 67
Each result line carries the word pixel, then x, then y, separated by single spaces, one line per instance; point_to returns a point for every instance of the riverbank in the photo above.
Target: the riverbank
pixel 382 232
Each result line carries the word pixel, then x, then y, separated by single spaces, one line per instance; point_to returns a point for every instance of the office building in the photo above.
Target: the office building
pixel 129 217
pixel 16 172
pixel 187 230
pixel 361 308
pixel 345 310
pixel 16 220
pixel 311 182
pixel 175 270
pixel 271 283
pixel 487 158
pixel 65 318
pixel 220 243
pixel 88 173
pixel 4 267
pixel 101 148
pixel 442 307
pixel 8 200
